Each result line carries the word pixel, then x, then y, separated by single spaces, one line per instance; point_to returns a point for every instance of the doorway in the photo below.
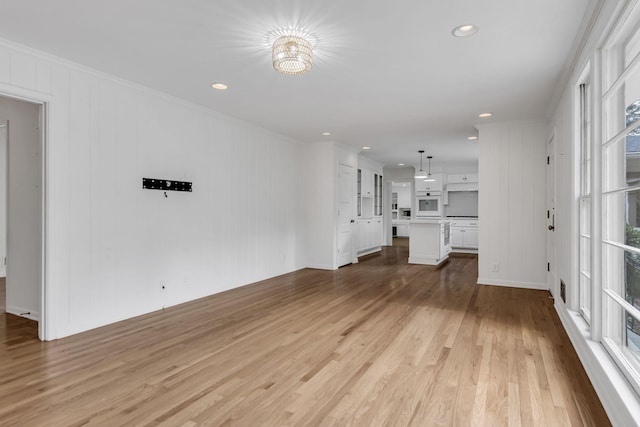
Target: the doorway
pixel 551 216
pixel 401 212
pixel 22 208
pixel 345 214
pixel 3 214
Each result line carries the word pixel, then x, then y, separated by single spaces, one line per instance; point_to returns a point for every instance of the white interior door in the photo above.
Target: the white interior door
pixel 551 218
pixel 3 214
pixel 346 196
pixel 3 200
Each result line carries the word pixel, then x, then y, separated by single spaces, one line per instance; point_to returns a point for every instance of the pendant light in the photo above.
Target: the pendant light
pixel 429 177
pixel 420 174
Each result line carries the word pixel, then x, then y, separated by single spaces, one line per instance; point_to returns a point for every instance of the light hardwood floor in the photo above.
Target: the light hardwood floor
pixel 377 343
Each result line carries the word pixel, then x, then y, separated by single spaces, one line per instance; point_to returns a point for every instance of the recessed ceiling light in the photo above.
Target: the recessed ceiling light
pixel 465 30
pixel 366 148
pixel 485 115
pixel 219 86
pixel 326 133
pixel 472 138
pixel 400 164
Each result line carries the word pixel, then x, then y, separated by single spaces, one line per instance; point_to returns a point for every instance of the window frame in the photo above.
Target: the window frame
pixel 583 99
pixel 610 192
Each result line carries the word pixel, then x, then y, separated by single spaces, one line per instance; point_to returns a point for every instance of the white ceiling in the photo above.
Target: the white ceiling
pixel 386 74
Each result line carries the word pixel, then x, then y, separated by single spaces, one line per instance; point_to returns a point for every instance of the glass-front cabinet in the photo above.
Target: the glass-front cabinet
pixel 359 192
pixel 377 207
pixel 369 194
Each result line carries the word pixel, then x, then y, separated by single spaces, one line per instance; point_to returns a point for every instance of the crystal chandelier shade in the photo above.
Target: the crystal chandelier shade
pixel 292 55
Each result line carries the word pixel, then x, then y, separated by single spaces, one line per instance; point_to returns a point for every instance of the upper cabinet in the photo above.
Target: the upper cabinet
pixel 404 198
pixel 369 193
pixel 367 183
pixel 462 178
pixel 436 185
pixel 462 182
pixel 377 195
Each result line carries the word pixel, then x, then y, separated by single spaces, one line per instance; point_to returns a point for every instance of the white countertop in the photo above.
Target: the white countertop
pixel 430 221
pixel 470 218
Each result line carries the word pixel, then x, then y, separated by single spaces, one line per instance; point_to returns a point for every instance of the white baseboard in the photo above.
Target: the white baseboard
pixel 427 260
pixel 23 312
pixel 463 251
pixel 513 284
pixel 321 266
pixel 370 251
pixel 619 400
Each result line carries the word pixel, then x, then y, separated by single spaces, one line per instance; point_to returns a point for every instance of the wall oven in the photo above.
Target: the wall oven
pixel 429 204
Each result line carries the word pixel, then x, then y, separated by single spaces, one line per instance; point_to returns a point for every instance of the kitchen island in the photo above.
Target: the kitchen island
pixel 429 241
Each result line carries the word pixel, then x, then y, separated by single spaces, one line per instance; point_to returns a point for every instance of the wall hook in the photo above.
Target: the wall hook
pixel 165 194
pixel 166 185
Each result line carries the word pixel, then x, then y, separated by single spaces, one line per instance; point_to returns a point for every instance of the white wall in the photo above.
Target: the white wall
pixel 399 173
pixel 372 165
pixel 316 162
pixel 24 196
pixel 318 200
pixel 512 204
pixel 565 197
pixel 111 244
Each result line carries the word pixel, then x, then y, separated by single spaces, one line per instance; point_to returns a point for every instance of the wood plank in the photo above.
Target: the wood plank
pixel 381 342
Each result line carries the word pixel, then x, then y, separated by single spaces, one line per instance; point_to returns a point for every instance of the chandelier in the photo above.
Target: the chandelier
pixel 292 55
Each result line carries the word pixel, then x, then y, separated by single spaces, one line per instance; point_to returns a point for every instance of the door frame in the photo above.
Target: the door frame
pixel 387 213
pixel 551 203
pixel 5 125
pixel 44 102
pixel 351 225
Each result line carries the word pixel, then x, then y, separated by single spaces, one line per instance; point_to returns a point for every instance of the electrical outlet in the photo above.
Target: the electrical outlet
pixel 495 268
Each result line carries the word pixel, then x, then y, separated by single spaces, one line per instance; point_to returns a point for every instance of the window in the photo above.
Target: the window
pixel 620 224
pixel 584 245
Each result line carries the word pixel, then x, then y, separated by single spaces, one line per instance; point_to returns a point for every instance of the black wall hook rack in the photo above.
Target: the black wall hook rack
pixel 166 185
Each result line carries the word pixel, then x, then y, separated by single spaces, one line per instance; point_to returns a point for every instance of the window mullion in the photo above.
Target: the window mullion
pixel 596 199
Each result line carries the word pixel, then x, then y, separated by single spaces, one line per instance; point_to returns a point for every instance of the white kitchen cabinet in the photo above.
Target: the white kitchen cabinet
pixel 402 230
pixel 456 237
pixel 471 238
pixel 427 244
pixel 368 235
pixel 462 178
pixel 464 234
pixel 461 182
pixel 369 194
pixel 436 185
pixel 367 183
pixel 361 234
pixel 377 232
pixel 404 198
pixel 377 194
